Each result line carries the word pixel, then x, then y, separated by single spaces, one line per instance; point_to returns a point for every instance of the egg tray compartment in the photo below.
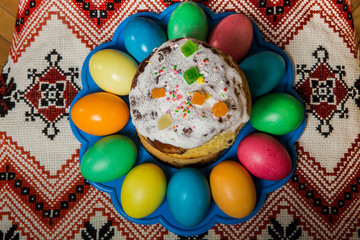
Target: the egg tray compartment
pixel 162 214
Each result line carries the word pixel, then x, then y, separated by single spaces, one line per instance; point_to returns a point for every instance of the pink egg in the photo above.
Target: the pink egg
pixel 264 157
pixel 233 35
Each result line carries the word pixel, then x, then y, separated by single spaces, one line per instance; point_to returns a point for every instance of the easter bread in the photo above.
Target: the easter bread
pixel 188 102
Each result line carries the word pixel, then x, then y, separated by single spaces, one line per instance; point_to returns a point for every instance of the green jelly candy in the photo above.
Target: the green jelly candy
pixel 188 20
pixel 109 158
pixel 277 113
pixel 191 75
pixel 189 48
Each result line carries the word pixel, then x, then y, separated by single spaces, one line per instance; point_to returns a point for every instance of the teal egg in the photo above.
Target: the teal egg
pixel 142 36
pixel 109 158
pixel 263 71
pixel 188 196
pixel 277 113
pixel 188 20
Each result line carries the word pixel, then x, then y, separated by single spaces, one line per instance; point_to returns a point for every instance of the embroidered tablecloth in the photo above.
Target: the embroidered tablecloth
pixel 44 196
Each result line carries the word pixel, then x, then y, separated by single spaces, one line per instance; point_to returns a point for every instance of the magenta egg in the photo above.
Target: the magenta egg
pixel 233 35
pixel 264 157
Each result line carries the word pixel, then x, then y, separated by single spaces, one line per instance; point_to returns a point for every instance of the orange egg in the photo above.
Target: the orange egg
pixel 233 189
pixel 100 113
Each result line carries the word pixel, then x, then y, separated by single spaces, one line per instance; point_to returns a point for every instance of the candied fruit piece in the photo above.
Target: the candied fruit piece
pixel 164 122
pixel 198 98
pixel 219 109
pixel 189 48
pixel 158 93
pixel 191 75
pixel 200 80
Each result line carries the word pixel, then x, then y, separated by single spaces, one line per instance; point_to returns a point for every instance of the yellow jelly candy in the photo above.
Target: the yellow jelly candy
pixel 158 93
pixel 198 98
pixel 219 109
pixel 200 80
pixel 164 122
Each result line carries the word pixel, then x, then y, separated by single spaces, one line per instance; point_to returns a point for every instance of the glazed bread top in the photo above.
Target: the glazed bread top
pixel 180 90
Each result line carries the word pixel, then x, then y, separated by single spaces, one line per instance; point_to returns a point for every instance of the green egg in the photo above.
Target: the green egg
pixel 188 20
pixel 109 158
pixel 277 113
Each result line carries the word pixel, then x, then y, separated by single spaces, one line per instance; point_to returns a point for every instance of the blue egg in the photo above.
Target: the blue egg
pixel 141 36
pixel 188 196
pixel 263 71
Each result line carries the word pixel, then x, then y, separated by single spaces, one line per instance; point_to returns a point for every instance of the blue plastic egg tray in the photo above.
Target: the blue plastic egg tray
pixel 162 214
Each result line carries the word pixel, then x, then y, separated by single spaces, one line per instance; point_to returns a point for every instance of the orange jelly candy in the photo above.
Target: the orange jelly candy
pixel 219 109
pixel 158 92
pixel 198 98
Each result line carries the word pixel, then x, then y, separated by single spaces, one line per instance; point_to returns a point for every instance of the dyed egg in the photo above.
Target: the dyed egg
pixel 108 159
pixel 233 189
pixel 100 113
pixel 113 71
pixel 188 196
pixel 233 35
pixel 188 20
pixel 141 36
pixel 143 190
pixel 277 113
pixel 264 157
pixel 263 71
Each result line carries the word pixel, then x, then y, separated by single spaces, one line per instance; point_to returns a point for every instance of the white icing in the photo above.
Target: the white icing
pixel 216 73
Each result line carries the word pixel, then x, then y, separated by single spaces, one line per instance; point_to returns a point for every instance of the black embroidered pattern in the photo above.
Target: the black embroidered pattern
pixel 173 2
pixel 331 212
pixel 99 14
pixel 197 237
pixel 274 11
pixel 10 234
pixel 7 86
pixel 106 232
pixel 36 204
pixel 277 231
pixel 21 19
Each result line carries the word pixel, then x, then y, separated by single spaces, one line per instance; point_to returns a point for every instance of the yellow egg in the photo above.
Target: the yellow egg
pixel 232 189
pixel 113 71
pixel 143 190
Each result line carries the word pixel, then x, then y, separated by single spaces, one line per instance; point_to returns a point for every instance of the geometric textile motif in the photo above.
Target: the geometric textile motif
pixel 323 90
pixel 50 93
